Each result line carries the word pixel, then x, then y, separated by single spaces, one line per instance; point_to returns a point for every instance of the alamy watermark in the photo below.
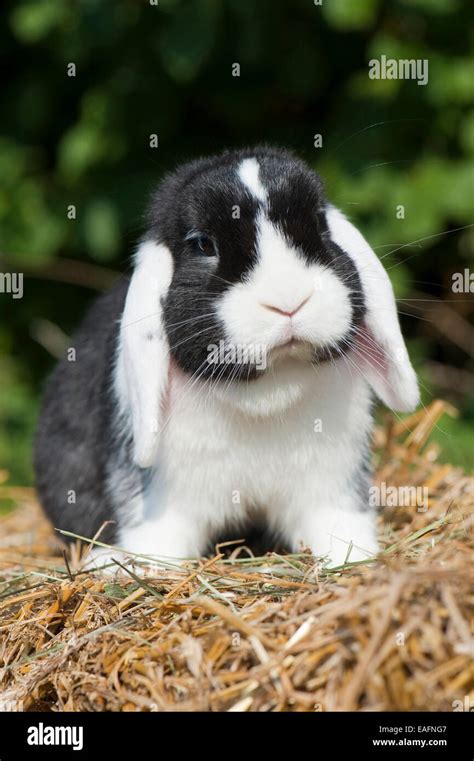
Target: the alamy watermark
pixel 224 353
pixel 463 282
pixel 405 68
pixel 463 704
pixel 383 495
pixel 43 734
pixel 12 282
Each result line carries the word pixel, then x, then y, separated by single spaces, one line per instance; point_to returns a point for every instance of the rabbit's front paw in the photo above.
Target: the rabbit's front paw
pixel 339 537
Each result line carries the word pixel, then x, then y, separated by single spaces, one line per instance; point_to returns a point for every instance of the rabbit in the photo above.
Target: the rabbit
pixel 230 380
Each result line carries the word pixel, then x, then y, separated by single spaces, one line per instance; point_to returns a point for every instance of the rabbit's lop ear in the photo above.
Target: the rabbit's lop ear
pixel 143 349
pixel 381 350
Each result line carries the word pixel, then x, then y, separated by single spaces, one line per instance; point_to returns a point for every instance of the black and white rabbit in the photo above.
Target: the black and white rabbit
pixel 230 379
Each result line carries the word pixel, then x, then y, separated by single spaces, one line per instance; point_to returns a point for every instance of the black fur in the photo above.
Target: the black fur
pixel 78 425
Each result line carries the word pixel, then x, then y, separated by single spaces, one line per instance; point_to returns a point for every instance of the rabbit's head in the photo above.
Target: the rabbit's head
pixel 245 265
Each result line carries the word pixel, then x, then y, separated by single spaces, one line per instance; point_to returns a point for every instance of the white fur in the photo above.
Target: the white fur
pixel 391 376
pixel 248 171
pixel 143 358
pixel 283 280
pixel 218 464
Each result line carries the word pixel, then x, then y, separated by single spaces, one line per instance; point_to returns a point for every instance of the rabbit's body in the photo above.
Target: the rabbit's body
pixel 78 431
pixel 270 467
pixel 145 430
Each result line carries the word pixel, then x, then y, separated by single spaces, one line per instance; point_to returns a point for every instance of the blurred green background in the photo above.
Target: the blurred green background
pixel 165 68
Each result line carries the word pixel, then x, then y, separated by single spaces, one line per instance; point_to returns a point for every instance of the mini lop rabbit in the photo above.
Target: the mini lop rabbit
pixel 229 381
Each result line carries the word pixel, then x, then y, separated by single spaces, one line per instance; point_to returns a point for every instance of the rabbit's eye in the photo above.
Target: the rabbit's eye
pixel 206 245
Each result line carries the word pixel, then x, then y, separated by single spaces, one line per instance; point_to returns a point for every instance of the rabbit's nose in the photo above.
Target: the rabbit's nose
pixel 286 312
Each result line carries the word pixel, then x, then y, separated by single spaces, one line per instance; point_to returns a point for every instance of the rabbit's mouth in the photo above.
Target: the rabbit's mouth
pixel 293 342
pixel 293 347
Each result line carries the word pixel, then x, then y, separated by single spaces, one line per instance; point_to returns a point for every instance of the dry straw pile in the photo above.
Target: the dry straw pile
pixel 278 633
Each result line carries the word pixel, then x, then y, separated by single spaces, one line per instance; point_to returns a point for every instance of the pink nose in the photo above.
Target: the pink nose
pixel 285 312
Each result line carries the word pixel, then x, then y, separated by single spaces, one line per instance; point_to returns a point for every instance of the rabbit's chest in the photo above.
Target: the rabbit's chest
pixel 210 444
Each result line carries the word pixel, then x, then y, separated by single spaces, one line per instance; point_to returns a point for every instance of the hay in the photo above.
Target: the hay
pixel 279 633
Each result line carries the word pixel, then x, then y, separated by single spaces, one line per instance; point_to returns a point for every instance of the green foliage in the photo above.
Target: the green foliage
pixel 347 15
pixel 166 69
